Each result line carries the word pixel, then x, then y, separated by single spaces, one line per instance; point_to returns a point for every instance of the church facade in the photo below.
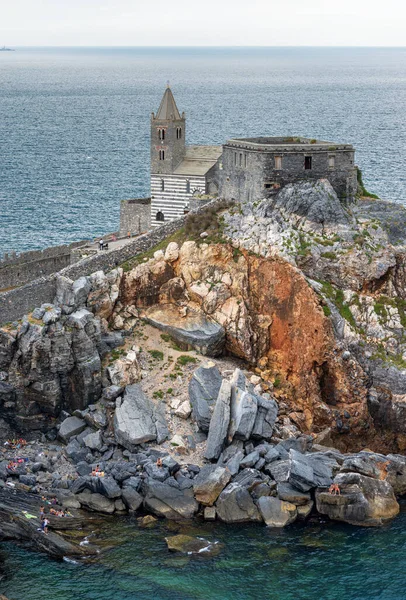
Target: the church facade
pixel 242 169
pixel 178 171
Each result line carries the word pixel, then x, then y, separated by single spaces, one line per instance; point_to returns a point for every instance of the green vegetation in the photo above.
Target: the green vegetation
pixel 326 310
pixel 381 304
pixel 329 255
pixel 169 391
pixel 156 354
pixel 184 360
pixel 337 297
pixel 396 360
pixel 361 187
pixel 158 394
pixel 304 246
pixel 165 337
pixel 115 354
pixel 179 237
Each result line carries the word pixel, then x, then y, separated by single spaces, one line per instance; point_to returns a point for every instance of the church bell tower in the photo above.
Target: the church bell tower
pixel 168 129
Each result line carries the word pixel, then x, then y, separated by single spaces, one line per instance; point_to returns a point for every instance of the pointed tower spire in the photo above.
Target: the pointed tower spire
pixel 168 110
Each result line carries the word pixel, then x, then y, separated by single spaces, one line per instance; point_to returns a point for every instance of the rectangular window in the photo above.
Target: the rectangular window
pixel 245 160
pixel 162 185
pixel 240 160
pixel 278 163
pixel 308 163
pixel 331 162
pixel 235 158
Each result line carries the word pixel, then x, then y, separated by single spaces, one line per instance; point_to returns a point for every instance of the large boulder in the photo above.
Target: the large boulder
pixel 307 472
pixel 362 500
pixel 235 505
pixel 70 427
pixel 131 498
pixel 209 483
pixel 204 388
pixel 219 423
pixel 243 408
pixel 136 419
pixel 169 502
pixel 276 512
pixel 96 502
pixel 265 418
pixel 192 329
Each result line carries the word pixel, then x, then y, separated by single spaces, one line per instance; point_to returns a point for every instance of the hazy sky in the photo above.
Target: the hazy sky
pixel 203 22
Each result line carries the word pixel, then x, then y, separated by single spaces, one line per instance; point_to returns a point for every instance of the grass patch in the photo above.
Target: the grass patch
pixel 326 310
pixel 185 360
pixel 329 255
pixel 158 394
pixel 337 297
pixel 156 354
pixel 361 187
pixel 116 354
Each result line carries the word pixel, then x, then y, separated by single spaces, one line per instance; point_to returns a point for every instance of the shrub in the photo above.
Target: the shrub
pixel 184 360
pixel 156 354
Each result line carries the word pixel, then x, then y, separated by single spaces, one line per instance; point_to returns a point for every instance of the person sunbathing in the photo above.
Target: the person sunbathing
pixel 334 489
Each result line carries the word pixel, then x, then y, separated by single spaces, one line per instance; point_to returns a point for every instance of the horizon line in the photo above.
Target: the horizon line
pixel 200 46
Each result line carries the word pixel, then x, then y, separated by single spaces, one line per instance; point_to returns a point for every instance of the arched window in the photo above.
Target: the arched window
pixel 162 185
pixel 179 133
pixel 161 134
pixel 160 216
pixel 188 186
pixel 162 155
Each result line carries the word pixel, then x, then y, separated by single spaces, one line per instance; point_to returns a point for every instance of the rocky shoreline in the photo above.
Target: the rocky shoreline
pixel 247 475
pixel 299 412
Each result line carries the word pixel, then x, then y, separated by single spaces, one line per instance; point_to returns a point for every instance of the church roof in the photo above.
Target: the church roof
pixel 198 160
pixel 168 109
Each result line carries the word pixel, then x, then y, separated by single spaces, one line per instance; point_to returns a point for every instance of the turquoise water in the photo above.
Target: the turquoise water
pixel 334 562
pixel 74 122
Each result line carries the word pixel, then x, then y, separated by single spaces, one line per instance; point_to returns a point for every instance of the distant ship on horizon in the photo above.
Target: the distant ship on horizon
pixel 4 49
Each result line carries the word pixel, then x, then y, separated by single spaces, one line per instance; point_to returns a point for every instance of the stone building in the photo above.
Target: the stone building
pixel 241 169
pixel 135 216
pixel 254 168
pixel 178 171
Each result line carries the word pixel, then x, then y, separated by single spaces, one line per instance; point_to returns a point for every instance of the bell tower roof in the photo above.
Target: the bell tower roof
pixel 168 111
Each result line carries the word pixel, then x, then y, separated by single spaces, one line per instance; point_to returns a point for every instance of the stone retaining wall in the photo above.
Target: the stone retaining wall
pixel 18 302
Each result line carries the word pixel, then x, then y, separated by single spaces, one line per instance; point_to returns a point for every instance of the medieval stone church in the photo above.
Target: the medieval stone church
pixel 241 169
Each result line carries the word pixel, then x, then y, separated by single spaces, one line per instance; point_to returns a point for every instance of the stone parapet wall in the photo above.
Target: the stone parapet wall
pixel 18 269
pixel 135 216
pixel 17 302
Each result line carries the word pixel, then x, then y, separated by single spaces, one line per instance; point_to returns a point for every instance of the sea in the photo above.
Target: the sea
pixel 74 141
pixel 75 122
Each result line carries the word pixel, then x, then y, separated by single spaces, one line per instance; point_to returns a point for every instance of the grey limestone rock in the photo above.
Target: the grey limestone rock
pixel 243 409
pixel 70 427
pixel 219 423
pixel 107 487
pixel 250 460
pixel 209 483
pixel 265 418
pixel 131 498
pixel 362 500
pixel 96 502
pixel 204 388
pixel 167 501
pixel 134 419
pixel 235 505
pixel 276 512
pixel 307 472
pixel 195 329
pixel 290 494
pixel 94 441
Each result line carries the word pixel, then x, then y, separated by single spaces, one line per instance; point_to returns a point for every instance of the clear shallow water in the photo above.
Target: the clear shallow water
pixel 334 562
pixel 74 123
